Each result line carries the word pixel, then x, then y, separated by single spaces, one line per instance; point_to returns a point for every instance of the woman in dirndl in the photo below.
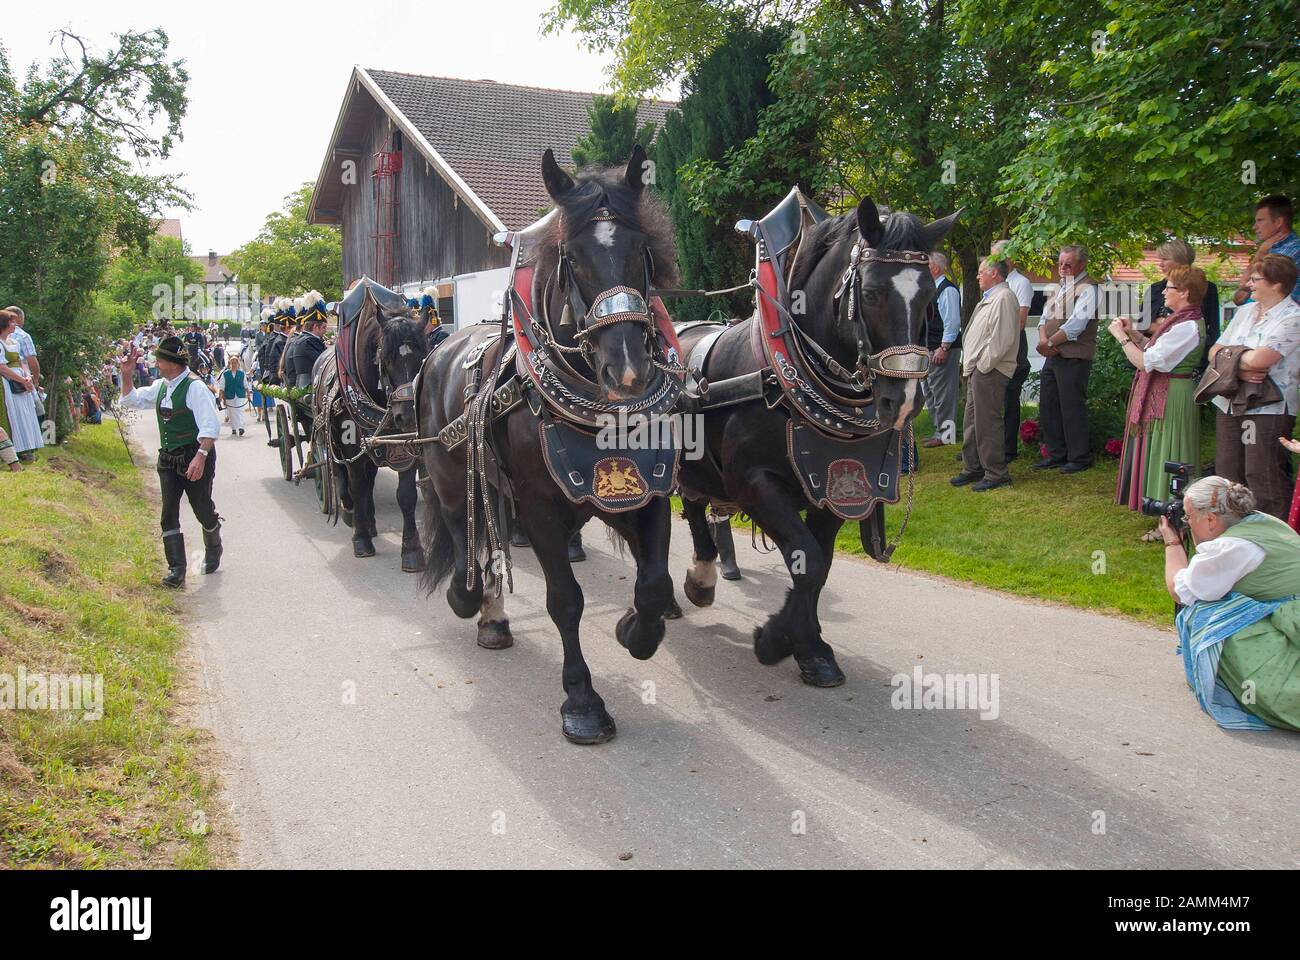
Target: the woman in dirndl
pixel 18 413
pixel 1162 421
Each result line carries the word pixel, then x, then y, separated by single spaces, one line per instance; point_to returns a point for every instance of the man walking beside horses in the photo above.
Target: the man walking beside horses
pixel 187 455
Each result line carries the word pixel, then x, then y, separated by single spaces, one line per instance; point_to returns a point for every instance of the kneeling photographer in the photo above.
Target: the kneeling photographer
pixel 1239 629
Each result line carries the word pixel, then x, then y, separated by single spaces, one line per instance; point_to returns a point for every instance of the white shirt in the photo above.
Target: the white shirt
pixel 198 398
pixel 1279 329
pixel 1021 287
pixel 1172 348
pixel 1215 568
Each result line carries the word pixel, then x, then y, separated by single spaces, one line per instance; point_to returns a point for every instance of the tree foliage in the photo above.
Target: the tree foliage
pixel 1162 119
pixel 612 133
pixel 74 138
pixel 871 100
pixel 290 256
pixel 722 99
pixel 133 277
pixel 1103 122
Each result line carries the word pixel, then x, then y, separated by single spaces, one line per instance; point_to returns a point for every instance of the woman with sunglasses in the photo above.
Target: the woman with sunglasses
pixel 1162 422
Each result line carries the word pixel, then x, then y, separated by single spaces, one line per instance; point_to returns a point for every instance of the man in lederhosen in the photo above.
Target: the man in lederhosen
pixel 187 454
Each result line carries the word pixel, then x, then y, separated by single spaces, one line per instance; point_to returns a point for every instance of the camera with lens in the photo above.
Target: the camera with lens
pixel 1179 473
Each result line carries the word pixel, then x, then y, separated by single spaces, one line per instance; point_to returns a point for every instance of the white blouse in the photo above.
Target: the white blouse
pixel 1172 348
pixel 1215 569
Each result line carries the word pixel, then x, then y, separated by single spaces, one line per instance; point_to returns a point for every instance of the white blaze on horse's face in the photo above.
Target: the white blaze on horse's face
pixel 604 233
pixel 908 284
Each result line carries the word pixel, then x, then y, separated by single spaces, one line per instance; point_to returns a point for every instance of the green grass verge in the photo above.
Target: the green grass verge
pixel 78 559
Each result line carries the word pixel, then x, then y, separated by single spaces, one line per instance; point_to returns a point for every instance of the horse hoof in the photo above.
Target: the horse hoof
pixel 820 672
pixel 698 594
pixel 495 635
pixel 674 611
pixel 770 649
pixel 347 517
pixel 363 548
pixel 592 726
pixel 643 649
pixel 412 561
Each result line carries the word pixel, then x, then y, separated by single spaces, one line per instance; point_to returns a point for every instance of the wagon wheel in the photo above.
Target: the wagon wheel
pixel 282 432
pixel 323 476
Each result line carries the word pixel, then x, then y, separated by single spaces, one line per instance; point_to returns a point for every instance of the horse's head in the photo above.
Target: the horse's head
pixel 610 240
pixel 867 286
pixel 402 349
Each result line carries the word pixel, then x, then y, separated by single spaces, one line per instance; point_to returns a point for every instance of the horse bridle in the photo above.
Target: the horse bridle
pixel 618 304
pixel 909 361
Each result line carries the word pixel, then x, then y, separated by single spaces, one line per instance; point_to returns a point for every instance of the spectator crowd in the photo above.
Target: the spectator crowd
pixel 1249 370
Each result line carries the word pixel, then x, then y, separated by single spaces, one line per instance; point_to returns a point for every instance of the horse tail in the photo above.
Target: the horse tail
pixel 439 559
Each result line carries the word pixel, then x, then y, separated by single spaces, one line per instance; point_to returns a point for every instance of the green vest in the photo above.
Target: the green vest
pixel 1279 575
pixel 182 429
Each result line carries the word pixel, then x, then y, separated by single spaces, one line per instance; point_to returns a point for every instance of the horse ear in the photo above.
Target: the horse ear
pixel 558 183
pixel 636 168
pixel 938 229
pixel 869 222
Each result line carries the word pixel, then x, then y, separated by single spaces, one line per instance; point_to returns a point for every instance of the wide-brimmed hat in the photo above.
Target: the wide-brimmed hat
pixel 171 348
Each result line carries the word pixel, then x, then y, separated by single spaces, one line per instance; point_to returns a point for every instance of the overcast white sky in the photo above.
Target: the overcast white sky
pixel 267 78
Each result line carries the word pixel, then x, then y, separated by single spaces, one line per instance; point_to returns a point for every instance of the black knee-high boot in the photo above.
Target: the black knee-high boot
pixel 721 531
pixel 212 549
pixel 174 548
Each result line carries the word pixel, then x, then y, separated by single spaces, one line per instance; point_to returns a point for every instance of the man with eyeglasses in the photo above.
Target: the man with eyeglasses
pixel 187 456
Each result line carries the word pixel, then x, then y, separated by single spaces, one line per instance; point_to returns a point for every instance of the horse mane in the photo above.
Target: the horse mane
pixel 639 210
pixel 902 231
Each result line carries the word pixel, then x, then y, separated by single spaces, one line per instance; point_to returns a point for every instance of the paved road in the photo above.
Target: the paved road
pixel 451 755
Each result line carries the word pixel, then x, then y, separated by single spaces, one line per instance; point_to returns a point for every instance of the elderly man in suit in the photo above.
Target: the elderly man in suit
pixel 988 361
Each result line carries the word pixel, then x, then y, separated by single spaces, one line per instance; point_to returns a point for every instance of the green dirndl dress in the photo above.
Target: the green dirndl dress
pixel 1175 436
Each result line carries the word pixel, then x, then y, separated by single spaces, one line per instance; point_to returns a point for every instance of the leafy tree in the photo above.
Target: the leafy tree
pixel 74 141
pixel 290 256
pixel 133 277
pixel 612 133
pixel 723 97
pixel 899 102
pixel 1171 118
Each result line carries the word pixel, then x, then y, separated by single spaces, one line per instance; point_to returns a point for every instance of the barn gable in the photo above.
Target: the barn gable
pixel 471 166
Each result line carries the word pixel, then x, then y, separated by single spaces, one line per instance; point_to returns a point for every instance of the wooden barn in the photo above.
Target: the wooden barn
pixel 422 171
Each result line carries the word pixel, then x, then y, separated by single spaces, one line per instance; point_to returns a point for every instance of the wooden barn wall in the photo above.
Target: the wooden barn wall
pixel 438 235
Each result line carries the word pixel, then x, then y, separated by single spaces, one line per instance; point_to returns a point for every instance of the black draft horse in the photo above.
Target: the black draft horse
pixel 604 254
pixel 391 348
pixel 748 439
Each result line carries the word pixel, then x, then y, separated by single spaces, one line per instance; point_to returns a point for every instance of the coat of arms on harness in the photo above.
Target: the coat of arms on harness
pixel 846 483
pixel 617 478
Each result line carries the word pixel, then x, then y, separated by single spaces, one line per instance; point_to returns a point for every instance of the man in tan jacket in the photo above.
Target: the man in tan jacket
pixel 988 361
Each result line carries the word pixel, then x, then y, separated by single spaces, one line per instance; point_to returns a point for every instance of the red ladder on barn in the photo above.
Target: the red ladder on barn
pixel 388 163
